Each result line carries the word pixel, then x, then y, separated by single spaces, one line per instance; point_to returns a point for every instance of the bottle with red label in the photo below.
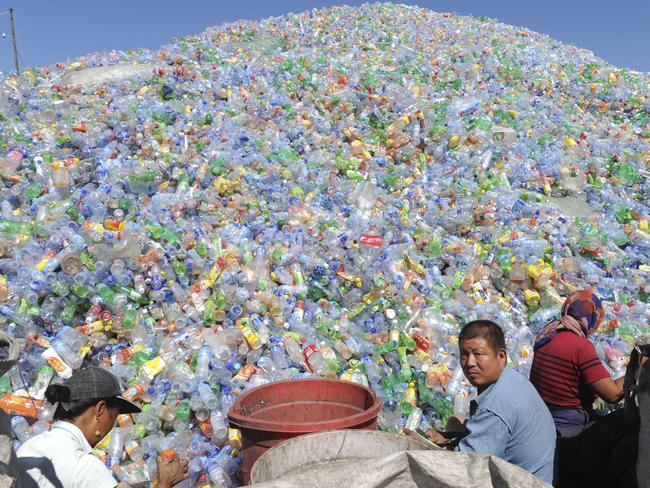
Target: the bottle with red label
pixel 421 341
pixel 315 361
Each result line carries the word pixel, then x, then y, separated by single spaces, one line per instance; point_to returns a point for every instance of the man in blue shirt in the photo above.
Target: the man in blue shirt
pixel 508 417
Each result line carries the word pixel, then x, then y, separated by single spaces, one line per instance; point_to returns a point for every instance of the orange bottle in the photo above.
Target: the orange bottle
pixel 20 405
pixel 134 391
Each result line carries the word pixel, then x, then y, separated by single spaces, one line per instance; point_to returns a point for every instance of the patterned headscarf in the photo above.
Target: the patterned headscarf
pixel 582 313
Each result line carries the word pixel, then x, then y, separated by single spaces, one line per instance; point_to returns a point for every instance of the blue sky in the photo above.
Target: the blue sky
pixel 55 30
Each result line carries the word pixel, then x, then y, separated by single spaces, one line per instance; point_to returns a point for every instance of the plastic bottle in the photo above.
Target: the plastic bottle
pixel 227 400
pixel 115 447
pixel 294 352
pixel 37 390
pixel 414 419
pixel 461 404
pixel 216 473
pixel 218 218
pixel 219 428
pixel 20 405
pixel 315 360
pixel 133 450
pixel 203 363
pixel 20 428
pixel 208 398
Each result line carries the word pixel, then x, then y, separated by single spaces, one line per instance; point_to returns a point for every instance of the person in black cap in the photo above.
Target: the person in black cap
pixel 87 405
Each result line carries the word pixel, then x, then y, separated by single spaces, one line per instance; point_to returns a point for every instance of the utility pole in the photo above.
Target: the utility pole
pixel 13 38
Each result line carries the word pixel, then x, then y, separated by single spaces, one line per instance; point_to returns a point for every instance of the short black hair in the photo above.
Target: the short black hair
pixel 483 329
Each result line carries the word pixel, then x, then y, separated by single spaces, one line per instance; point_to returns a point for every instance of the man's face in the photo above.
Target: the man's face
pixel 481 364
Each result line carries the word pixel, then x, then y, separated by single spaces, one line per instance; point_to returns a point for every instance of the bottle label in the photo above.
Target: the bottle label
pixel 56 363
pixel 133 392
pixel 94 310
pixel 234 439
pixel 20 405
pixel 299 313
pixel 410 396
pixel 251 337
pixel 307 353
pixel 293 335
pixel 153 367
pixel 41 341
pixel 130 446
pixel 370 240
pixel 206 428
pixel 96 326
pixel 245 373
pixel 105 317
pixel 421 342
pixel 413 420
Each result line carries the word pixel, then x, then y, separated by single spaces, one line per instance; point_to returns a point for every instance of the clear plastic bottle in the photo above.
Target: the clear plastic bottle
pixel 217 473
pixel 20 428
pixel 208 397
pixel 219 428
pixel 315 360
pixel 115 447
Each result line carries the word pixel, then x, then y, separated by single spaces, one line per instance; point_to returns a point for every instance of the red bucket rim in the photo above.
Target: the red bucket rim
pixel 246 422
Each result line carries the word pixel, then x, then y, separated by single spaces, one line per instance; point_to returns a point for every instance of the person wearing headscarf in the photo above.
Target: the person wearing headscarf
pixel 566 369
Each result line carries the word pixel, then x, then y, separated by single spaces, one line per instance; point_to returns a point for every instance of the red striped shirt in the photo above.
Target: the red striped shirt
pixel 564 368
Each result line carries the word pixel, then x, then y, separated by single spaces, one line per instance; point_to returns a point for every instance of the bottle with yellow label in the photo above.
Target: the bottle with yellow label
pixel 234 439
pixel 153 367
pixel 410 399
pixel 250 334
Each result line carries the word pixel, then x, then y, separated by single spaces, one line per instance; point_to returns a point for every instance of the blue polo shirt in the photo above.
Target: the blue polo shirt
pixel 510 420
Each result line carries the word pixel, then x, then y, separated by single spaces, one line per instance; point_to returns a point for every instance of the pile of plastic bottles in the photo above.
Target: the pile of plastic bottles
pixel 331 193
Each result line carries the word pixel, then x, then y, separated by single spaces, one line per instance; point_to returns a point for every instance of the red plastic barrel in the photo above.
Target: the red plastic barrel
pixel 272 413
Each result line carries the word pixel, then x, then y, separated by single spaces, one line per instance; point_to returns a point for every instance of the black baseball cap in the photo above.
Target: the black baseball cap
pixel 95 383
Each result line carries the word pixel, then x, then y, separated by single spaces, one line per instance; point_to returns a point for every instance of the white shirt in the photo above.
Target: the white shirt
pixel 62 458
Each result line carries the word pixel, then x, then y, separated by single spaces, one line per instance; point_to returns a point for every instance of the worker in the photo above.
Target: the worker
pixel 88 404
pixel 508 418
pixel 618 440
pixel 566 369
pixel 640 379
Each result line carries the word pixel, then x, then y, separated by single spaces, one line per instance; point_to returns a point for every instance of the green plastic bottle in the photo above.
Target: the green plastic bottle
pixel 405 371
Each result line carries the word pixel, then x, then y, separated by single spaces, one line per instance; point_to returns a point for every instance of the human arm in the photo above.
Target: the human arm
pixel 454 431
pixel 608 389
pixel 593 373
pixel 487 433
pixel 440 440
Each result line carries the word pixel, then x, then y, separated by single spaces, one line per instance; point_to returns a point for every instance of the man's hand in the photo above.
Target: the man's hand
pixel 437 438
pixel 171 473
